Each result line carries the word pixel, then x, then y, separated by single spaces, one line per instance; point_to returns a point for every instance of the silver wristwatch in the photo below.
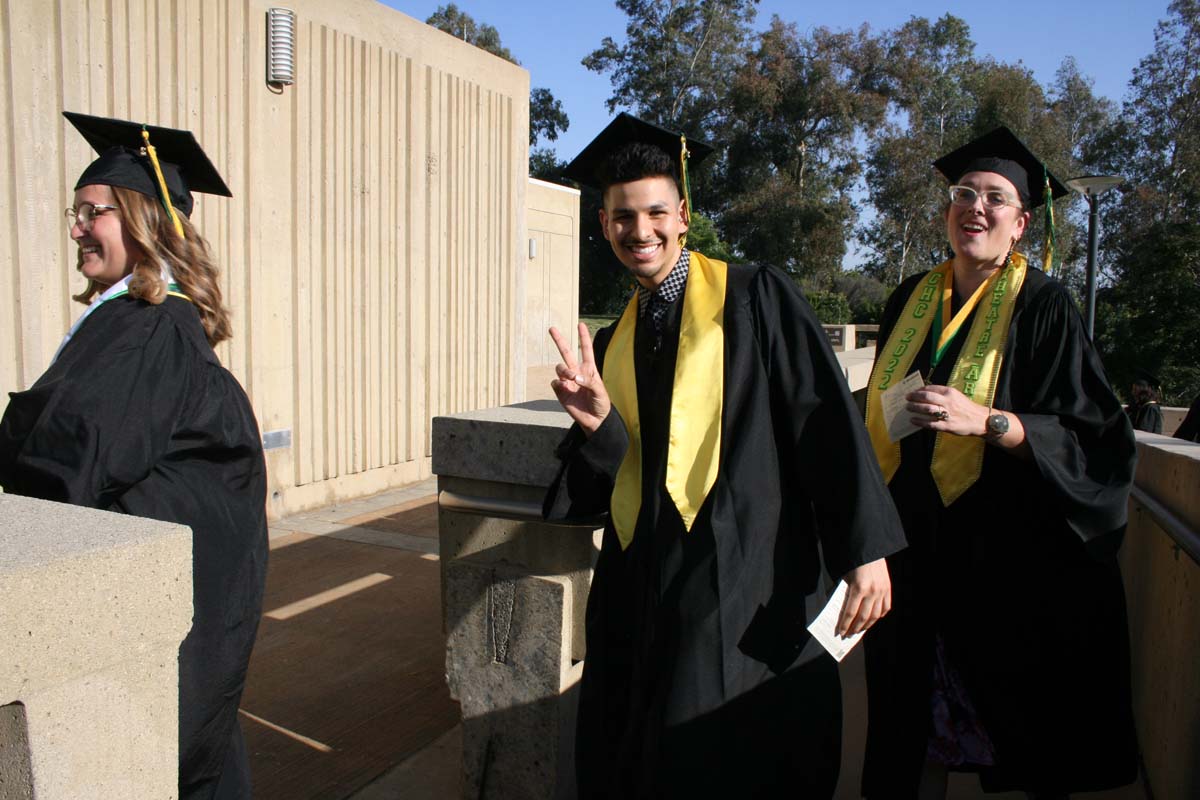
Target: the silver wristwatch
pixel 997 426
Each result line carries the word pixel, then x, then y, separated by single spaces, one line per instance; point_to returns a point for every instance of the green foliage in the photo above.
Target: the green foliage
pixel 832 308
pixel 1147 314
pixel 546 116
pixel 702 237
pixel 866 296
pixel 795 105
pixel 805 117
pixel 461 25
pixel 676 62
pixel 545 165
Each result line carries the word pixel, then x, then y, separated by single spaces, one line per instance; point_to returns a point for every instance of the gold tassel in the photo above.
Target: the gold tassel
pixel 162 183
pixel 687 189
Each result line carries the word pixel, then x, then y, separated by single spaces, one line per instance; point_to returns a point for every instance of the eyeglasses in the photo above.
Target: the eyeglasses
pixel 993 199
pixel 86 214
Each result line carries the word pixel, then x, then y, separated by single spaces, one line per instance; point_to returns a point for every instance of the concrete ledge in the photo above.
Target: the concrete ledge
pixel 93 607
pixel 1162 586
pixel 483 445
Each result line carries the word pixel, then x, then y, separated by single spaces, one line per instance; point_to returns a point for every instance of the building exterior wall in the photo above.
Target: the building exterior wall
pixel 374 251
pixel 552 271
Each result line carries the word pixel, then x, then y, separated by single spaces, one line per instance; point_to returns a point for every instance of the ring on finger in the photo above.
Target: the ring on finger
pixel 942 414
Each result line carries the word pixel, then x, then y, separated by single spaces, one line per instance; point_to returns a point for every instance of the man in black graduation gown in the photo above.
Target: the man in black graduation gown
pixel 714 424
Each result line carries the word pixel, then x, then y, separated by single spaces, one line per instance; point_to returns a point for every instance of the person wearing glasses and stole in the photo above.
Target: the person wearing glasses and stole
pixel 715 426
pixel 1007 651
pixel 136 415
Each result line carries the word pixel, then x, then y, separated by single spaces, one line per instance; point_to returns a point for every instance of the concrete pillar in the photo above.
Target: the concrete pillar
pixel 93 608
pixel 514 591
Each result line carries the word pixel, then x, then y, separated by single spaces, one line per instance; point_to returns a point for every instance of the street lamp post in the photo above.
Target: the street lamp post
pixel 1091 187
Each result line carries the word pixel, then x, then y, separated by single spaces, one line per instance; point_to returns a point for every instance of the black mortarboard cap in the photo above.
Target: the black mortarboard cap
pixel 124 162
pixel 1000 151
pixel 625 129
pixel 1147 377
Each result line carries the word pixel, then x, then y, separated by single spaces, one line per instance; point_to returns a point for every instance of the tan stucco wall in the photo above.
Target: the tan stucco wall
pixel 373 252
pixel 552 273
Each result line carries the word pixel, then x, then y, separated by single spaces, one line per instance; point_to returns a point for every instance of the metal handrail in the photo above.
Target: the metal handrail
pixel 1187 539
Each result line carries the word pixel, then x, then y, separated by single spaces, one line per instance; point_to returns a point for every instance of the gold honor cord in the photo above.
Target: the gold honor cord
pixel 694 445
pixel 957 460
pixel 162 183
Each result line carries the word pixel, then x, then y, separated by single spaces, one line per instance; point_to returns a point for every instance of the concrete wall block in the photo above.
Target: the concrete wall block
pixel 93 607
pixel 509 444
pixel 508 663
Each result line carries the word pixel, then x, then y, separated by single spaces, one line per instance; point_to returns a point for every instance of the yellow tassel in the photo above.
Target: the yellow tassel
pixel 687 189
pixel 162 183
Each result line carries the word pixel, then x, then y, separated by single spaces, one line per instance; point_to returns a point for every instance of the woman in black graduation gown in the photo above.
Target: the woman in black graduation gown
pixel 1145 414
pixel 1006 652
pixel 135 414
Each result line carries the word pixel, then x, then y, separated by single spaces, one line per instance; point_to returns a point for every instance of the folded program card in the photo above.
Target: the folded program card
pixel 822 628
pixel 898 418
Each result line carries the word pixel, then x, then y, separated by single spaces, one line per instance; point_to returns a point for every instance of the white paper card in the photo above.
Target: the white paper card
pixel 822 628
pixel 897 418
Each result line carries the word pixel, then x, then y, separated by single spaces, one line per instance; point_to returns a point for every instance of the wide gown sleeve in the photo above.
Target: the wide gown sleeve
pixel 823 441
pixel 584 484
pixel 1077 431
pixel 86 433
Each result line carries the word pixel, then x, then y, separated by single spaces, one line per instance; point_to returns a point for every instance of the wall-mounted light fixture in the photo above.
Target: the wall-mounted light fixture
pixel 281 46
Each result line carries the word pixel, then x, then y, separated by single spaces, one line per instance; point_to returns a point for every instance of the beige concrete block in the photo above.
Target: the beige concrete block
pixel 856 366
pixel 93 607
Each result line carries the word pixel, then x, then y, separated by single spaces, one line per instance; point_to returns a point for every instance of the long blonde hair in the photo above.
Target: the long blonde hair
pixel 189 260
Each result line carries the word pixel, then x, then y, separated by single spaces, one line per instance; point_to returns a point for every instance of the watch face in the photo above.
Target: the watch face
pixel 997 424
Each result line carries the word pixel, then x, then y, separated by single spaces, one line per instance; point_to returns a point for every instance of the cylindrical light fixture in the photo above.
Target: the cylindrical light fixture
pixel 281 46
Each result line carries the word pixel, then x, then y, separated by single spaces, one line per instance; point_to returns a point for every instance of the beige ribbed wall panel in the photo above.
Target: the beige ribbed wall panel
pixel 373 252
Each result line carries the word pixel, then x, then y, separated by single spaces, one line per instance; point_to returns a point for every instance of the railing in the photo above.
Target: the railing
pixel 1163 593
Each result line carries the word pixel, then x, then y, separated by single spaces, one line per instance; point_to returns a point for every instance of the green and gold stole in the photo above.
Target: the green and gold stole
pixel 694 447
pixel 957 460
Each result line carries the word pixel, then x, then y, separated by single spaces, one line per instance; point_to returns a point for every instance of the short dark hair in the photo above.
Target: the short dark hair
pixel 635 161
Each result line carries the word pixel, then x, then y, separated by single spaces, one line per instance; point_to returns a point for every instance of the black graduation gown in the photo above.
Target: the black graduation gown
pixel 1019 576
pixel 1189 429
pixel 138 416
pixel 1146 417
pixel 700 677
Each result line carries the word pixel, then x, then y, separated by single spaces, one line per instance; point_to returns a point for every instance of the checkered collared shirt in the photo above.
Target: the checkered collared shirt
pixel 657 302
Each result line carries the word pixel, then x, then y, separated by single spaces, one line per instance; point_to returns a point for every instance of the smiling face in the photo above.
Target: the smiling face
pixel 643 221
pixel 981 237
pixel 107 252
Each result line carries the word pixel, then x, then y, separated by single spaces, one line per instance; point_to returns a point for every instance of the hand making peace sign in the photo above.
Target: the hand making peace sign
pixel 579 387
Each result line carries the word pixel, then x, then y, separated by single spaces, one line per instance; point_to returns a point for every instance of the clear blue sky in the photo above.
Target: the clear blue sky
pixel 1106 37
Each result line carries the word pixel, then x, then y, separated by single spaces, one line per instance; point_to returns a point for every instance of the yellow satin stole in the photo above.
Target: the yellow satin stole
pixel 694 446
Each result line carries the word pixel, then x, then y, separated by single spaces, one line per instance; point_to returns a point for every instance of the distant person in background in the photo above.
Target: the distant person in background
pixel 1144 412
pixel 1006 653
pixel 136 415
pixel 1189 429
